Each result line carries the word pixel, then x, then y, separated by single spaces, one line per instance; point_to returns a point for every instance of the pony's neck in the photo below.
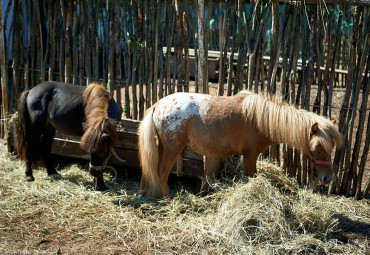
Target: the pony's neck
pixel 278 121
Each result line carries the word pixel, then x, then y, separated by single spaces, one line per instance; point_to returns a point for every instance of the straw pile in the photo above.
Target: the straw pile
pixel 268 214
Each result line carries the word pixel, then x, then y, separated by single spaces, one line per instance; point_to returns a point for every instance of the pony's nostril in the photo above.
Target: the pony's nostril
pixel 325 179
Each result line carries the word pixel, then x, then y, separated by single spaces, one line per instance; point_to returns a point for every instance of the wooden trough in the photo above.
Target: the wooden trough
pixel 190 165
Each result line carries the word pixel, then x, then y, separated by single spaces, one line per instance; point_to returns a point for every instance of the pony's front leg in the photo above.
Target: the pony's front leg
pixel 99 184
pixel 250 160
pixel 47 142
pixel 211 169
pixel 29 175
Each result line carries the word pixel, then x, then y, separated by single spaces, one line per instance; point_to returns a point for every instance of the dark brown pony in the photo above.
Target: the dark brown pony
pixel 217 127
pixel 89 112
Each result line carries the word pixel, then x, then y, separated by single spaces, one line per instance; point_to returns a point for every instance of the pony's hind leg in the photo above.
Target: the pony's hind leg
pixel 32 153
pixel 29 175
pixel 46 143
pixel 167 161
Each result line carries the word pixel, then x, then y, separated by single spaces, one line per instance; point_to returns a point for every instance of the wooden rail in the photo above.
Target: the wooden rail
pixel 126 148
pixel 214 60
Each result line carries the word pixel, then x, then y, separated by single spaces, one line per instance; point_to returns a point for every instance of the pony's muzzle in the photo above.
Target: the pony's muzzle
pixel 325 179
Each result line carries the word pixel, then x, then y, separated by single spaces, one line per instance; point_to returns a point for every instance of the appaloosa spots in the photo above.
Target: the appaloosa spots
pixel 176 109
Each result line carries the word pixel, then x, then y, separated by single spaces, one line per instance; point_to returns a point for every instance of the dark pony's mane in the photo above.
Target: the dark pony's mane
pixel 101 130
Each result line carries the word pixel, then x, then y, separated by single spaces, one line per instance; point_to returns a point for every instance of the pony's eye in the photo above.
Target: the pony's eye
pixel 317 151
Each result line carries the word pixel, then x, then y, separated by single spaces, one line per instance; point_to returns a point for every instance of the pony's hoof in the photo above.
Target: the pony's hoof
pixel 244 179
pixel 30 178
pixel 56 176
pixel 52 172
pixel 101 188
pixel 203 193
pixel 141 192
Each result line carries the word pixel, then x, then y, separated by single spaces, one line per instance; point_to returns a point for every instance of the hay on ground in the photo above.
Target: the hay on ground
pixel 268 214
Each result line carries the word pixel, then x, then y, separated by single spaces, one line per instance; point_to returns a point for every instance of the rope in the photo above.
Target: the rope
pixel 104 166
pixel 116 155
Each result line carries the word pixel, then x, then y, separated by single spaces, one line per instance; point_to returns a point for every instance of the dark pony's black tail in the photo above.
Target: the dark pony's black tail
pixel 23 126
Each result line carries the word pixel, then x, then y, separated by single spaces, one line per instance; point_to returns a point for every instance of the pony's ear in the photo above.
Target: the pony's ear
pixel 85 126
pixel 334 121
pixel 314 128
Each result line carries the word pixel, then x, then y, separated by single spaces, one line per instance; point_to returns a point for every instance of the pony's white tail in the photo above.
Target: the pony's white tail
pixel 148 156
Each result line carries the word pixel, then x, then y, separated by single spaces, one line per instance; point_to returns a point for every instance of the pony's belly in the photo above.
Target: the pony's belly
pixel 68 128
pixel 212 149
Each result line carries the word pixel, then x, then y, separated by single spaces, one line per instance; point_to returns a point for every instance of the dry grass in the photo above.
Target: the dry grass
pixel 269 214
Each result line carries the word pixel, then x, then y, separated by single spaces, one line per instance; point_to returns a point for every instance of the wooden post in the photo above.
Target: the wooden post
pixel 127 60
pixel 231 56
pixel 141 63
pixel 61 28
pixel 201 61
pixel 363 162
pixel 136 52
pixel 206 42
pixel 155 50
pixel 318 48
pixel 148 55
pixel 68 52
pixel 111 49
pixel 75 44
pixel 351 122
pixel 334 187
pixel 357 178
pixel 117 8
pixel 186 49
pixel 105 43
pixel 274 40
pixel 4 75
pixel 162 26
pixel 223 51
pixel 53 41
pixel 179 65
pixel 336 45
pixel 283 84
pixel 168 89
pixel 17 49
pixel 278 47
pixel 82 42
pixel 88 37
pixel 96 44
pixel 253 52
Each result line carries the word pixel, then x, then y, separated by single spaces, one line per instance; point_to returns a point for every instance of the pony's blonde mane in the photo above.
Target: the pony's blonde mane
pixel 282 123
pixel 96 100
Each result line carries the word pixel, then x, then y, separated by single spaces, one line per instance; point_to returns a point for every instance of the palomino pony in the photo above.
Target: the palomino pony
pixel 89 112
pixel 216 126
